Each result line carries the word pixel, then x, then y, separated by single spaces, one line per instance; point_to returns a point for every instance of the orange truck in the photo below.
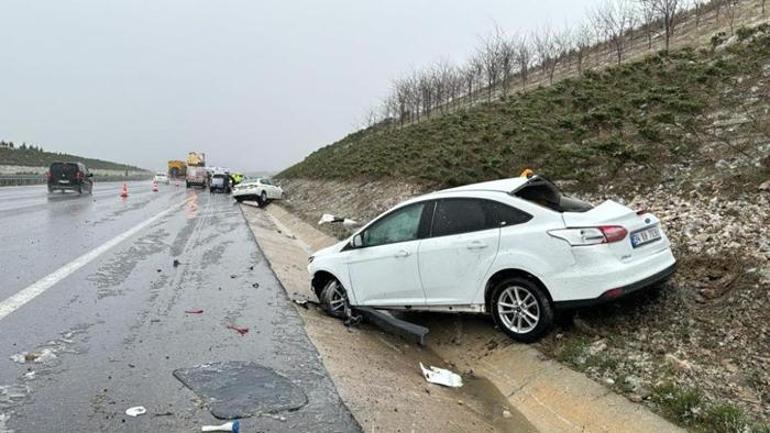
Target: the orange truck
pixel 177 169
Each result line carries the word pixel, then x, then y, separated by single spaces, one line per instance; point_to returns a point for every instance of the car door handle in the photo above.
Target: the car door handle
pixel 402 253
pixel 477 245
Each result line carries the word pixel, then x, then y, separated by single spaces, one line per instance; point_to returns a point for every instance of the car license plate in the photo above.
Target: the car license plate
pixel 645 236
pixel 64 181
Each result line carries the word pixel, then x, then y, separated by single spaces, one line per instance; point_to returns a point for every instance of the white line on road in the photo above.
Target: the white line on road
pixel 29 293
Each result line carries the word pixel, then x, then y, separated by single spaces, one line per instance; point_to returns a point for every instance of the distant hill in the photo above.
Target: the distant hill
pixel 37 157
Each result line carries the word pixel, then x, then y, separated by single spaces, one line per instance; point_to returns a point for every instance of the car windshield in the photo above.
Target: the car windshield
pixel 543 192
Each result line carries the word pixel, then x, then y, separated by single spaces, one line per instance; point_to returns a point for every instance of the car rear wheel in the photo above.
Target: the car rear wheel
pixel 334 299
pixel 263 199
pixel 521 309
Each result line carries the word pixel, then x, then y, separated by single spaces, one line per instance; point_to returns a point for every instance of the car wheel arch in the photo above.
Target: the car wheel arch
pixel 511 273
pixel 320 279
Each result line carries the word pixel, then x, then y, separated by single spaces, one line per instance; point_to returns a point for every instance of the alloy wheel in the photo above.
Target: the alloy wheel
pixel 518 309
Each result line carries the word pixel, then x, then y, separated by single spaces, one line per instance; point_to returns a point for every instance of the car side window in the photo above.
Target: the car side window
pixel 505 215
pixel 461 215
pixel 400 226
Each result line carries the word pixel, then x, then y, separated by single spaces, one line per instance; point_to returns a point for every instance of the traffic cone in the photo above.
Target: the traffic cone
pixel 154 186
pixel 124 191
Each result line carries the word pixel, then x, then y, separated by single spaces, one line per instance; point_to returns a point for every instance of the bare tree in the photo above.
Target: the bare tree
pixel 507 58
pixel 583 42
pixel 667 11
pixel 697 9
pixel 489 55
pixel 731 7
pixel 548 50
pixel 648 20
pixel 564 44
pixel 523 59
pixel 471 74
pixel 615 19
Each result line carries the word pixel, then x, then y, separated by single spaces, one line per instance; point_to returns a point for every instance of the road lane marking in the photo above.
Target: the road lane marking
pixel 16 301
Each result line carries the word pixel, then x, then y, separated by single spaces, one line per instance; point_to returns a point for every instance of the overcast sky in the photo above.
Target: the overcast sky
pixel 255 84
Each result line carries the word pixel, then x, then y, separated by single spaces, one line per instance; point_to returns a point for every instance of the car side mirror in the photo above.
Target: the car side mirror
pixel 357 241
pixel 90 175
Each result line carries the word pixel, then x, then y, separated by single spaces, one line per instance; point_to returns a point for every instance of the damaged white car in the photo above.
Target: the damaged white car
pixel 517 249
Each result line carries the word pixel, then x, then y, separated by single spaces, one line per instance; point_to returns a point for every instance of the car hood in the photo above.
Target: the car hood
pixel 331 250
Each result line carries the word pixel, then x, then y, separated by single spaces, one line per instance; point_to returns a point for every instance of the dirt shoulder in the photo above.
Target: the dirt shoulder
pixel 552 397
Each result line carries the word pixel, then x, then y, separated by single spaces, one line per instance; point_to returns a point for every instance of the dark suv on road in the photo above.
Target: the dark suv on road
pixel 72 176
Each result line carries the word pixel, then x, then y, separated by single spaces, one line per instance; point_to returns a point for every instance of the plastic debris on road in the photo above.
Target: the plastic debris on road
pixel 237 389
pixel 136 411
pixel 232 426
pixel 26 357
pixel 441 376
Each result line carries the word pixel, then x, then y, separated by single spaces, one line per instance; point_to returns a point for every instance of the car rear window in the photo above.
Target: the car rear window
pixel 66 168
pixel 543 192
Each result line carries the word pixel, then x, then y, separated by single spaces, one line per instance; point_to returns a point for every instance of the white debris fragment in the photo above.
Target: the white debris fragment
pixel 441 376
pixel 329 218
pixel 136 411
pixel 39 357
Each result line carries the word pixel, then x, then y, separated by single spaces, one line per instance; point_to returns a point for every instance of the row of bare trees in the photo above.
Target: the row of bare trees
pixel 504 61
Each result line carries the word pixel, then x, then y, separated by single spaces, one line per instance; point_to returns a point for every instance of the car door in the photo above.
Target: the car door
pixel 383 270
pixel 462 246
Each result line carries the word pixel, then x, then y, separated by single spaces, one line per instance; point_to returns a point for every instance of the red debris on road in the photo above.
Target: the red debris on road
pixel 194 311
pixel 238 329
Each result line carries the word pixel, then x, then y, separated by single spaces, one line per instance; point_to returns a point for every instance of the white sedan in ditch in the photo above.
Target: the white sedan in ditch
pixel 517 249
pixel 259 189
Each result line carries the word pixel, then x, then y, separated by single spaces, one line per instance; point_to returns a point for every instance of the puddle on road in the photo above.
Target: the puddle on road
pixel 236 389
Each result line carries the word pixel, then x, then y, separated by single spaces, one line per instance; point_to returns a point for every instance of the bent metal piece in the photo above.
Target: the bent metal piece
pixel 392 325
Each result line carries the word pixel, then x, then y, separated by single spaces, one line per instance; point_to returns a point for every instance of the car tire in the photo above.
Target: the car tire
pixel 334 299
pixel 187 184
pixel 263 199
pixel 80 190
pixel 521 309
pixel 239 199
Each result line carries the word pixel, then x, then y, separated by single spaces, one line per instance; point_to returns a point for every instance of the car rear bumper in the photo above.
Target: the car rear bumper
pixel 67 186
pixel 612 294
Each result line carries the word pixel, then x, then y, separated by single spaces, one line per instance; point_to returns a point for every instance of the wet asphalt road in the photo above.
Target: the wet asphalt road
pixel 112 332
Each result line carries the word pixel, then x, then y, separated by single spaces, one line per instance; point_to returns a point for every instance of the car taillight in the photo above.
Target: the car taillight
pixel 590 235
pixel 614 233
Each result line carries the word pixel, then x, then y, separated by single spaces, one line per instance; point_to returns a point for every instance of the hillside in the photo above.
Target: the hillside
pixel 685 134
pixel 38 158
pixel 622 121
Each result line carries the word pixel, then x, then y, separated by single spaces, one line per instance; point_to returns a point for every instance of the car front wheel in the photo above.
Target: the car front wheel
pixel 334 299
pixel 521 309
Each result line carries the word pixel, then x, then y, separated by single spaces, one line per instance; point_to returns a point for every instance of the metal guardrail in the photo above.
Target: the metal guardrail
pixel 36 179
pixel 27 179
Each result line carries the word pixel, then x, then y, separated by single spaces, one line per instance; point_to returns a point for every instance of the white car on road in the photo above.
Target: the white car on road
pixel 259 189
pixel 161 178
pixel 517 249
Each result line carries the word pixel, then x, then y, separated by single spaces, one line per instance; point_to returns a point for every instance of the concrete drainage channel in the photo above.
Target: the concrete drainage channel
pixel 506 386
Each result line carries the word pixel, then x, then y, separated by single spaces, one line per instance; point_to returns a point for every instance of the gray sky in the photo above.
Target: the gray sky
pixel 255 84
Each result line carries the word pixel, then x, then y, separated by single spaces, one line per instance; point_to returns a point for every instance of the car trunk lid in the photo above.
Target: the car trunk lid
pixel 644 233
